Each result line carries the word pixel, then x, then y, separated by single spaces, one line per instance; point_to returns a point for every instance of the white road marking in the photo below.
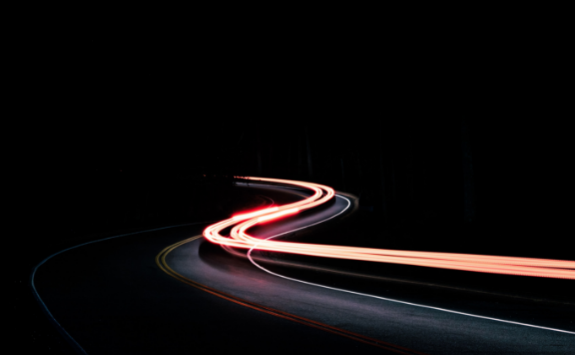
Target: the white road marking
pixel 61 329
pixel 379 297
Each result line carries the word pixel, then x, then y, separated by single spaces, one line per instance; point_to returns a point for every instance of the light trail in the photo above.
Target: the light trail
pixel 239 238
pixel 250 257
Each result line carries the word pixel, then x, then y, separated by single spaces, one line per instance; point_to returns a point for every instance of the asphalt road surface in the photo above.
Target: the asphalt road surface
pixel 136 295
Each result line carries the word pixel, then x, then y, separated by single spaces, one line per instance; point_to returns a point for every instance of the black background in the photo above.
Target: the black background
pixel 126 128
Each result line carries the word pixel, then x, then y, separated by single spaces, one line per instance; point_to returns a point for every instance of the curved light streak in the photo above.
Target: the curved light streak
pixel 239 238
pixel 385 298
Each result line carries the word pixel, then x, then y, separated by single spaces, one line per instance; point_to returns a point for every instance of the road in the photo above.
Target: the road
pixel 136 294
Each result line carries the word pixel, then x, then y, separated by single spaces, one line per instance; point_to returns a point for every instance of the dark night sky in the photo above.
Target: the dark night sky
pixel 92 100
pixel 109 123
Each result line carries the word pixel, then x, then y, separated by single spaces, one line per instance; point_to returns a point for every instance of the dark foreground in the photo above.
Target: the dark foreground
pixel 113 298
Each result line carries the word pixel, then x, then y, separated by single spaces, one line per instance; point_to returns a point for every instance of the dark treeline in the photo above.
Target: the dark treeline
pixel 454 185
pixel 399 171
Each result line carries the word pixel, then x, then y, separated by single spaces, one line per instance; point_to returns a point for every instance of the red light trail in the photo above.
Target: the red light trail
pixel 239 238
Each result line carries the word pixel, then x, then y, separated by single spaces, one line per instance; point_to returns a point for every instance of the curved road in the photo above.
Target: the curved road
pixel 111 297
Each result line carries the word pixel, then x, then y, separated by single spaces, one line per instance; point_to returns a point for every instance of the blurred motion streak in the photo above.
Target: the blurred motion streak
pixel 239 238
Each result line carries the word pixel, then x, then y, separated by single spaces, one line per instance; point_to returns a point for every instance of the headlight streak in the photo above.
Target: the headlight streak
pixel 239 238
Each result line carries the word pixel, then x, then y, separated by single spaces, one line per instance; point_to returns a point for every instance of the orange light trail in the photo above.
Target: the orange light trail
pixel 239 238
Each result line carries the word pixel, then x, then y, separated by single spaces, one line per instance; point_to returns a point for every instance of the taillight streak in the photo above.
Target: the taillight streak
pixel 239 238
